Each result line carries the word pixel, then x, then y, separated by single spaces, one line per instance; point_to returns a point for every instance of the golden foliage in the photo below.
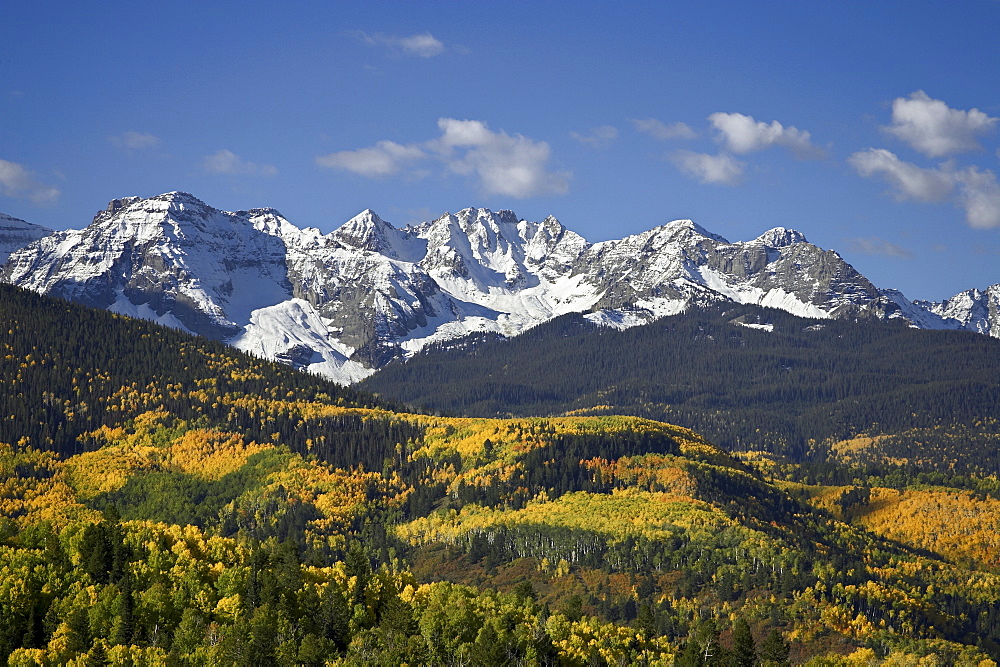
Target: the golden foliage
pixel 618 515
pixel 211 454
pixel 34 488
pixel 953 523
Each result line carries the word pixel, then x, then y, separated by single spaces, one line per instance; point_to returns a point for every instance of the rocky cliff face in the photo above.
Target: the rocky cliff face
pixel 16 233
pixel 972 310
pixel 345 303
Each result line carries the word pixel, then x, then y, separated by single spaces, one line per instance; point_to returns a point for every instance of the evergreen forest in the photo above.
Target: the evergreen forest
pixel 746 377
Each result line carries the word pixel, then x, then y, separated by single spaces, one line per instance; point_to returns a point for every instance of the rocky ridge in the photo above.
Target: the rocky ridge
pixel 346 303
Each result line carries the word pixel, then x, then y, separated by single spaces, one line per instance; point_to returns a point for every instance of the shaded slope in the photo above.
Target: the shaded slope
pixel 67 369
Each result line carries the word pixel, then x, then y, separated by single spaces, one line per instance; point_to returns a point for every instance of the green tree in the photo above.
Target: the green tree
pixel 774 650
pixel 335 616
pixel 645 620
pixel 190 632
pixel 487 649
pixel 314 650
pixel 744 650
pixel 572 608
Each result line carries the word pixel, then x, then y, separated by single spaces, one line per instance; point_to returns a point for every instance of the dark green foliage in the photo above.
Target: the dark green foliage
pixel 556 468
pixel 743 388
pixel 103 554
pixel 774 650
pixel 334 617
pixel 359 566
pixel 702 647
pixel 61 361
pixel 744 650
pixel 343 441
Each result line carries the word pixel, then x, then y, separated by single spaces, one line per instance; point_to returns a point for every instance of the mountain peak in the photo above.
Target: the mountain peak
pixel 686 228
pixel 168 201
pixel 484 215
pixel 116 205
pixel 367 231
pixel 16 233
pixel 382 292
pixel 780 237
pixel 178 197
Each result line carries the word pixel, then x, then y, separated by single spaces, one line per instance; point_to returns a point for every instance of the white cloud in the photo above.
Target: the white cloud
pixel 873 245
pixel 503 164
pixel 227 162
pixel 908 180
pixel 424 45
pixel 598 137
pixel 721 169
pixel 659 130
pixel 976 192
pixel 18 182
pixel 134 140
pixel 979 195
pixel 385 158
pixel 742 134
pixel 934 129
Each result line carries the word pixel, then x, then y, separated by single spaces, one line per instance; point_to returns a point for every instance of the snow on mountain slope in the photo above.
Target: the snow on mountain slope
pixel 16 233
pixel 367 231
pixel 174 253
pixel 293 332
pixel 345 303
pixel 680 261
pixel 971 310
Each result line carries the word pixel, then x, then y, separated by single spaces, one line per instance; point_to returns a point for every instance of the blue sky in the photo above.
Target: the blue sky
pixel 870 127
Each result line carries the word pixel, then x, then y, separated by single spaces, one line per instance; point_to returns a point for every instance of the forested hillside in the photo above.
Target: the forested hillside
pixel 165 500
pixel 748 378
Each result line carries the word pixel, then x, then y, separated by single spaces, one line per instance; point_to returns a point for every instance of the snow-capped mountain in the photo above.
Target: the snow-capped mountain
pixel 345 303
pixel 16 233
pixel 972 310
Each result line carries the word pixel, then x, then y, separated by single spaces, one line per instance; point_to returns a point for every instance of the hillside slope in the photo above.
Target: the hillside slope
pixel 166 500
pixel 746 377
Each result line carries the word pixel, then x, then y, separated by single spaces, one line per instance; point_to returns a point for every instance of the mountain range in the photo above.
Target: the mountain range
pixel 344 304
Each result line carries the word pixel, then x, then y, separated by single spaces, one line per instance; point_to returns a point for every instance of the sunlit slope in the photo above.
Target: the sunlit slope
pixel 178 503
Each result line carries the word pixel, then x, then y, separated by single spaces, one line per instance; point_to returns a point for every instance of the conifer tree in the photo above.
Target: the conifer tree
pixel 744 650
pixel 774 650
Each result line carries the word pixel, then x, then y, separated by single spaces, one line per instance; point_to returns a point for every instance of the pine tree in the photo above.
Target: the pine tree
pixel 774 650
pixel 645 621
pixel 743 645
pixel 335 616
pixel 487 649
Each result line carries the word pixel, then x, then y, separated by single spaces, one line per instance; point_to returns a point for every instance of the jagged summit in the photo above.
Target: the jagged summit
pixel 780 237
pixel 345 303
pixel 975 310
pixel 363 230
pixel 180 199
pixel 367 231
pixel 683 229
